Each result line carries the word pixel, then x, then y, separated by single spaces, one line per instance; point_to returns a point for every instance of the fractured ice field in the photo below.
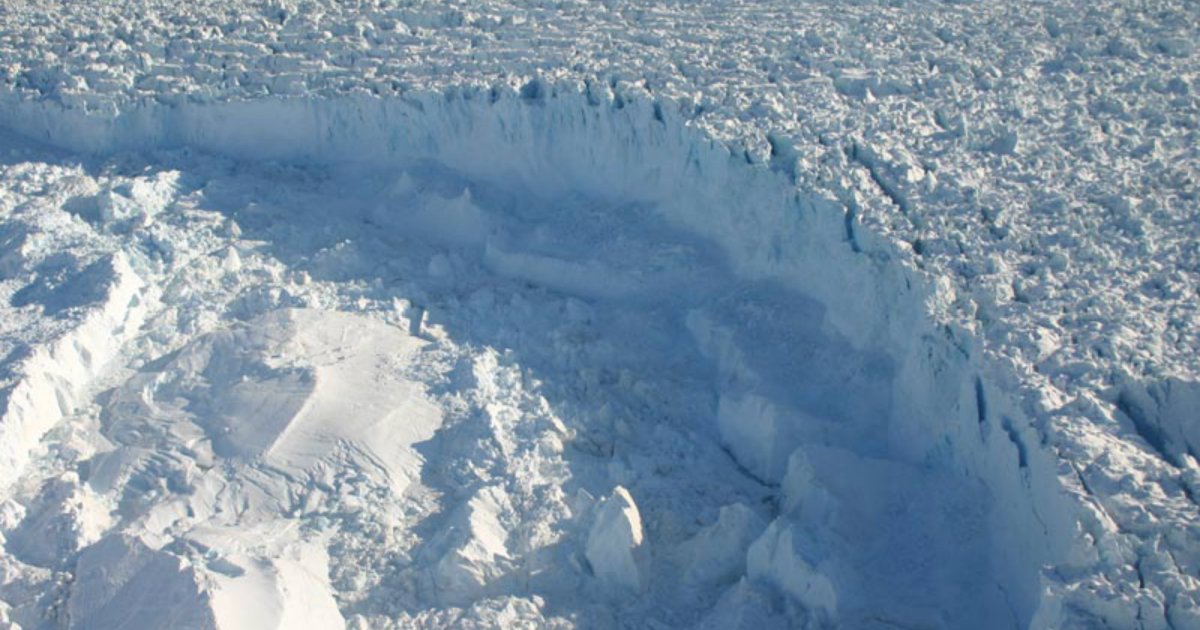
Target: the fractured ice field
pixel 536 358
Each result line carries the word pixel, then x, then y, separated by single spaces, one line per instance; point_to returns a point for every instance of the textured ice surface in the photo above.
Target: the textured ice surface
pixel 399 315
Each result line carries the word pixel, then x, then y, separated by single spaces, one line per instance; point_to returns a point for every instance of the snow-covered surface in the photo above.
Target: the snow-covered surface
pixel 868 314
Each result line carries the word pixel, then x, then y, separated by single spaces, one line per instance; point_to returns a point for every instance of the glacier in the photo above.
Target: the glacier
pixel 555 349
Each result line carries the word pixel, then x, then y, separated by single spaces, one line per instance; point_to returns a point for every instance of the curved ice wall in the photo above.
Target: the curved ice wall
pixel 952 410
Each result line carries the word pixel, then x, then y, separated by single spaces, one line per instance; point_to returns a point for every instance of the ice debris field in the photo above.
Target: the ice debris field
pixel 620 314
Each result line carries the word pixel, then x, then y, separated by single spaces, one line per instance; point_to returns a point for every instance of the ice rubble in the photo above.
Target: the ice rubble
pixel 55 376
pixel 910 480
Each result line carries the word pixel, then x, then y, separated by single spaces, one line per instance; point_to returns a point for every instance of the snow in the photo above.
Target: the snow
pixel 851 314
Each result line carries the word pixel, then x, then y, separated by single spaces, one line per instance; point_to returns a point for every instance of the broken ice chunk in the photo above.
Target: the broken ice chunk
pixel 477 555
pixel 785 557
pixel 616 545
pixel 717 553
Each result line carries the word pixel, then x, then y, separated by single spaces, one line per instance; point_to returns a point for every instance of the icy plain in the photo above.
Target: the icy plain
pixel 599 314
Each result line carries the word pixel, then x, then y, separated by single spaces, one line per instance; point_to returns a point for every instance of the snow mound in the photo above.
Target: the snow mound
pixel 120 582
pixel 276 392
